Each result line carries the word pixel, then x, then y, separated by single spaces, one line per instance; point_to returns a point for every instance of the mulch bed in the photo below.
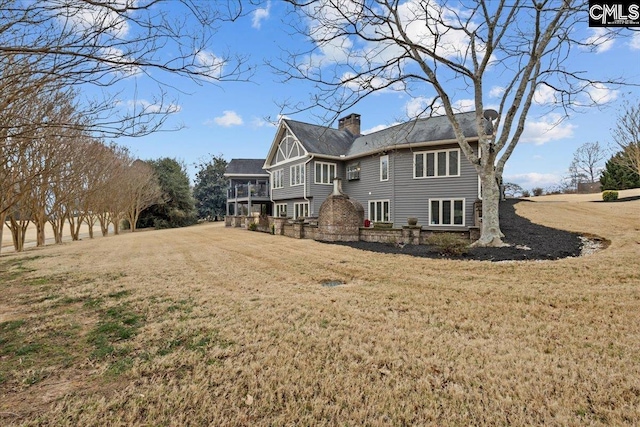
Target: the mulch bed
pixel 543 243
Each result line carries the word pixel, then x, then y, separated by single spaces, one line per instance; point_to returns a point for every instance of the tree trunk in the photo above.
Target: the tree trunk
pixel 3 217
pixel 90 219
pixel 115 220
pixel 57 224
pixel 18 232
pixel 104 220
pixel 490 233
pixel 75 222
pixel 40 233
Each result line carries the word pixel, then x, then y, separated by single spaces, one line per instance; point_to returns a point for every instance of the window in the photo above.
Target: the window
pixel 353 171
pixel 300 210
pixel 325 172
pixel 446 212
pixel 281 209
pixel 297 175
pixel 436 163
pixel 384 168
pixel 288 149
pixel 379 210
pixel 277 179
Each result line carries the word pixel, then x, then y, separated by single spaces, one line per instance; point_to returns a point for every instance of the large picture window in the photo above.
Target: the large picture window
pixel 446 212
pixel 277 180
pixel 297 175
pixel 379 210
pixel 430 164
pixel 325 172
pixel 300 210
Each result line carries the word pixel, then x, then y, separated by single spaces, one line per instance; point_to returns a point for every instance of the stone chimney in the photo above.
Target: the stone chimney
pixel 350 123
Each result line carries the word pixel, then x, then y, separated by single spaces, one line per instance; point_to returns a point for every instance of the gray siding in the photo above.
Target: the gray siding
pixel 369 186
pixel 289 192
pixel 320 192
pixel 409 197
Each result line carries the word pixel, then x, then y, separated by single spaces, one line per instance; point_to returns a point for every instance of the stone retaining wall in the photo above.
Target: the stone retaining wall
pixel 408 235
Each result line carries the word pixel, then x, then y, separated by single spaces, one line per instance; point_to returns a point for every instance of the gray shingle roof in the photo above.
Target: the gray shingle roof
pixel 245 167
pixel 333 142
pixel 320 139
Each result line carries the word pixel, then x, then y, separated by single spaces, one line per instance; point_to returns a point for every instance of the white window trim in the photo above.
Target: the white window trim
pixel 464 212
pixel 274 181
pixel 301 150
pixel 329 165
pixel 370 213
pixel 435 163
pixel 296 209
pixel 278 208
pixel 356 170
pixel 385 157
pixel 301 166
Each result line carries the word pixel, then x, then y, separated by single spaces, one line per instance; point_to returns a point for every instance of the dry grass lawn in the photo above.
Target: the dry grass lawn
pixel 215 326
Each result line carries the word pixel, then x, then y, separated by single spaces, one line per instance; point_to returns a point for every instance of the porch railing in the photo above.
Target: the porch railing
pixel 244 190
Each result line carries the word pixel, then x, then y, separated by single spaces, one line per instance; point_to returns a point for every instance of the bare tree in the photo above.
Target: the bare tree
pixel 360 48
pixel 140 190
pixel 627 136
pixel 102 43
pixel 587 161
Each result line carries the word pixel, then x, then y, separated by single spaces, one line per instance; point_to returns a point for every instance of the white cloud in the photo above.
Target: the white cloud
pixel 534 179
pixel 601 94
pixel 548 128
pixel 212 65
pixel 116 56
pixel 545 94
pixel 425 107
pixel 259 122
pixel 84 16
pixel 227 119
pixel 634 44
pixel 369 83
pixel 600 39
pixel 144 106
pixel 260 15
pixel 496 91
pixel 378 128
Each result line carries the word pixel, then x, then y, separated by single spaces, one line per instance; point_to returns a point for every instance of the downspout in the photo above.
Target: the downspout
pixel 304 193
pixel 392 166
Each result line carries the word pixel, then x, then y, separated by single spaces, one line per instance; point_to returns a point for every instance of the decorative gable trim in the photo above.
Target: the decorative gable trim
pixel 285 148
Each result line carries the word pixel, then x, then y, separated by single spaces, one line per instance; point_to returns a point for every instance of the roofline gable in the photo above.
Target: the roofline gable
pixel 282 127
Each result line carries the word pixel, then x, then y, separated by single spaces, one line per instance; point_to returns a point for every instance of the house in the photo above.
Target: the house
pixel 415 169
pixel 248 189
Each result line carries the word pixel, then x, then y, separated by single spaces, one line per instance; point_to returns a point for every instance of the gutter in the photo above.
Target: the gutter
pixel 409 145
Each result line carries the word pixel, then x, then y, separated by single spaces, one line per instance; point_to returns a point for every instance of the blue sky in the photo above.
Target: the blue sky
pixel 235 119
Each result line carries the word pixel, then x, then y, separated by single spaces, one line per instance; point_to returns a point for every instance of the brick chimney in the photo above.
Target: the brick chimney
pixel 350 123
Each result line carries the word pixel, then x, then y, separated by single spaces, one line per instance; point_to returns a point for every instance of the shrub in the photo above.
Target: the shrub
pixel 609 195
pixel 537 191
pixel 526 193
pixel 253 226
pixel 448 244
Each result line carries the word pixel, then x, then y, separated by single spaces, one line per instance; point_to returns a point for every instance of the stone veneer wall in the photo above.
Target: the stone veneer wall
pixel 339 217
pixel 408 235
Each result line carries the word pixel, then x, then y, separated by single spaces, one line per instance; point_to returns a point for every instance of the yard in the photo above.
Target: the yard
pixel 214 326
